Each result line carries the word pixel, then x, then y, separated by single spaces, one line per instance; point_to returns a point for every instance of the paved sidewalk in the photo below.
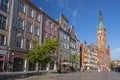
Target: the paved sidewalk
pixel 15 75
pixel 78 76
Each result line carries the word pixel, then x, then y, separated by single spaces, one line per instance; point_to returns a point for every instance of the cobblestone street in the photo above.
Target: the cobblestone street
pixel 78 76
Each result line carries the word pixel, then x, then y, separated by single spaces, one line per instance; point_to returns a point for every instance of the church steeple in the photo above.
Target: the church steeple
pixel 100 20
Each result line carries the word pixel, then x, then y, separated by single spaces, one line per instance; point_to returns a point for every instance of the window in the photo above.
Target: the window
pixel 37 17
pixel 61 34
pixel 29 27
pixel 27 44
pixel 50 25
pixel 22 7
pixel 61 44
pixel 30 12
pixel 65 36
pixel 2 39
pixel 65 28
pixel 55 27
pixel 19 43
pixel 4 5
pixel 21 23
pixel 67 46
pixel 44 35
pixel 2 22
pixel 36 31
pixel 45 22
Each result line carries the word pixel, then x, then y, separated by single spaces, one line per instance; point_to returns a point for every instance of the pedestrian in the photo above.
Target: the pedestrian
pixel 88 69
pixel 10 68
pixel 98 69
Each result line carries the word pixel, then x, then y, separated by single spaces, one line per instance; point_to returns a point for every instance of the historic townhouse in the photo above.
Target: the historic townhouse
pixel 5 31
pixel 64 40
pixel 74 44
pixel 50 30
pixel 26 25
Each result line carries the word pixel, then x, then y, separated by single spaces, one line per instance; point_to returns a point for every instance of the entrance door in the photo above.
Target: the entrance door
pixel 18 64
pixel 1 66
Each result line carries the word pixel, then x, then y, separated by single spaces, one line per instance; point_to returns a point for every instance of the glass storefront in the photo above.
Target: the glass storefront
pixel 18 64
pixel 52 66
pixel 31 66
pixel 43 66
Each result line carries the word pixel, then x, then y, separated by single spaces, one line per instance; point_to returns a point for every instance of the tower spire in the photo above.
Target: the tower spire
pixel 100 20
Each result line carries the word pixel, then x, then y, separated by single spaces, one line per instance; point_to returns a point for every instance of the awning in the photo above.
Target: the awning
pixel 65 63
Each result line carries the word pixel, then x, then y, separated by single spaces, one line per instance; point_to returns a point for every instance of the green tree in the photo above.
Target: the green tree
pixel 41 53
pixel 112 64
pixel 74 58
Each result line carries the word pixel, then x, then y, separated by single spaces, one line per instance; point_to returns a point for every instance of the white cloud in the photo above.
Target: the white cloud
pixel 75 12
pixel 115 53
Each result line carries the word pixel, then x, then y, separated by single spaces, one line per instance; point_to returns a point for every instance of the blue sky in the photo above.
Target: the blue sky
pixel 83 15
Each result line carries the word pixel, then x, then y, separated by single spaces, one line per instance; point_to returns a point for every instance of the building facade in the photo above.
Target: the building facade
pixel 26 26
pixel 22 21
pixel 64 40
pixel 103 52
pixel 50 30
pixel 74 45
pixel 5 30
pixel 96 56
pixel 89 56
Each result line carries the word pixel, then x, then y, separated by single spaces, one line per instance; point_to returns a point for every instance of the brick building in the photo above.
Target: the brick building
pixel 102 53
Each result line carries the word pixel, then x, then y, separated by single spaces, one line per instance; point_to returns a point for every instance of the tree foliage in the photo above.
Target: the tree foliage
pixel 41 53
pixel 74 58
pixel 112 64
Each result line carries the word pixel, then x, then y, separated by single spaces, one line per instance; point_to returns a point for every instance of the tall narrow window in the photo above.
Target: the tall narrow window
pixel 45 22
pixel 29 27
pixel 61 34
pixel 30 12
pixel 37 17
pixel 27 44
pixel 4 5
pixel 36 31
pixel 55 27
pixel 22 7
pixel 21 23
pixel 2 39
pixel 50 25
pixel 44 35
pixel 2 22
pixel 19 43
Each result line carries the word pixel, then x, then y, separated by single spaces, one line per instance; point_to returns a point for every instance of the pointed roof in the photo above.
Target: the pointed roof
pixel 100 20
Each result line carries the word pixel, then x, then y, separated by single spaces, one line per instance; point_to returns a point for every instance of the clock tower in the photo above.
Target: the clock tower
pixel 101 32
